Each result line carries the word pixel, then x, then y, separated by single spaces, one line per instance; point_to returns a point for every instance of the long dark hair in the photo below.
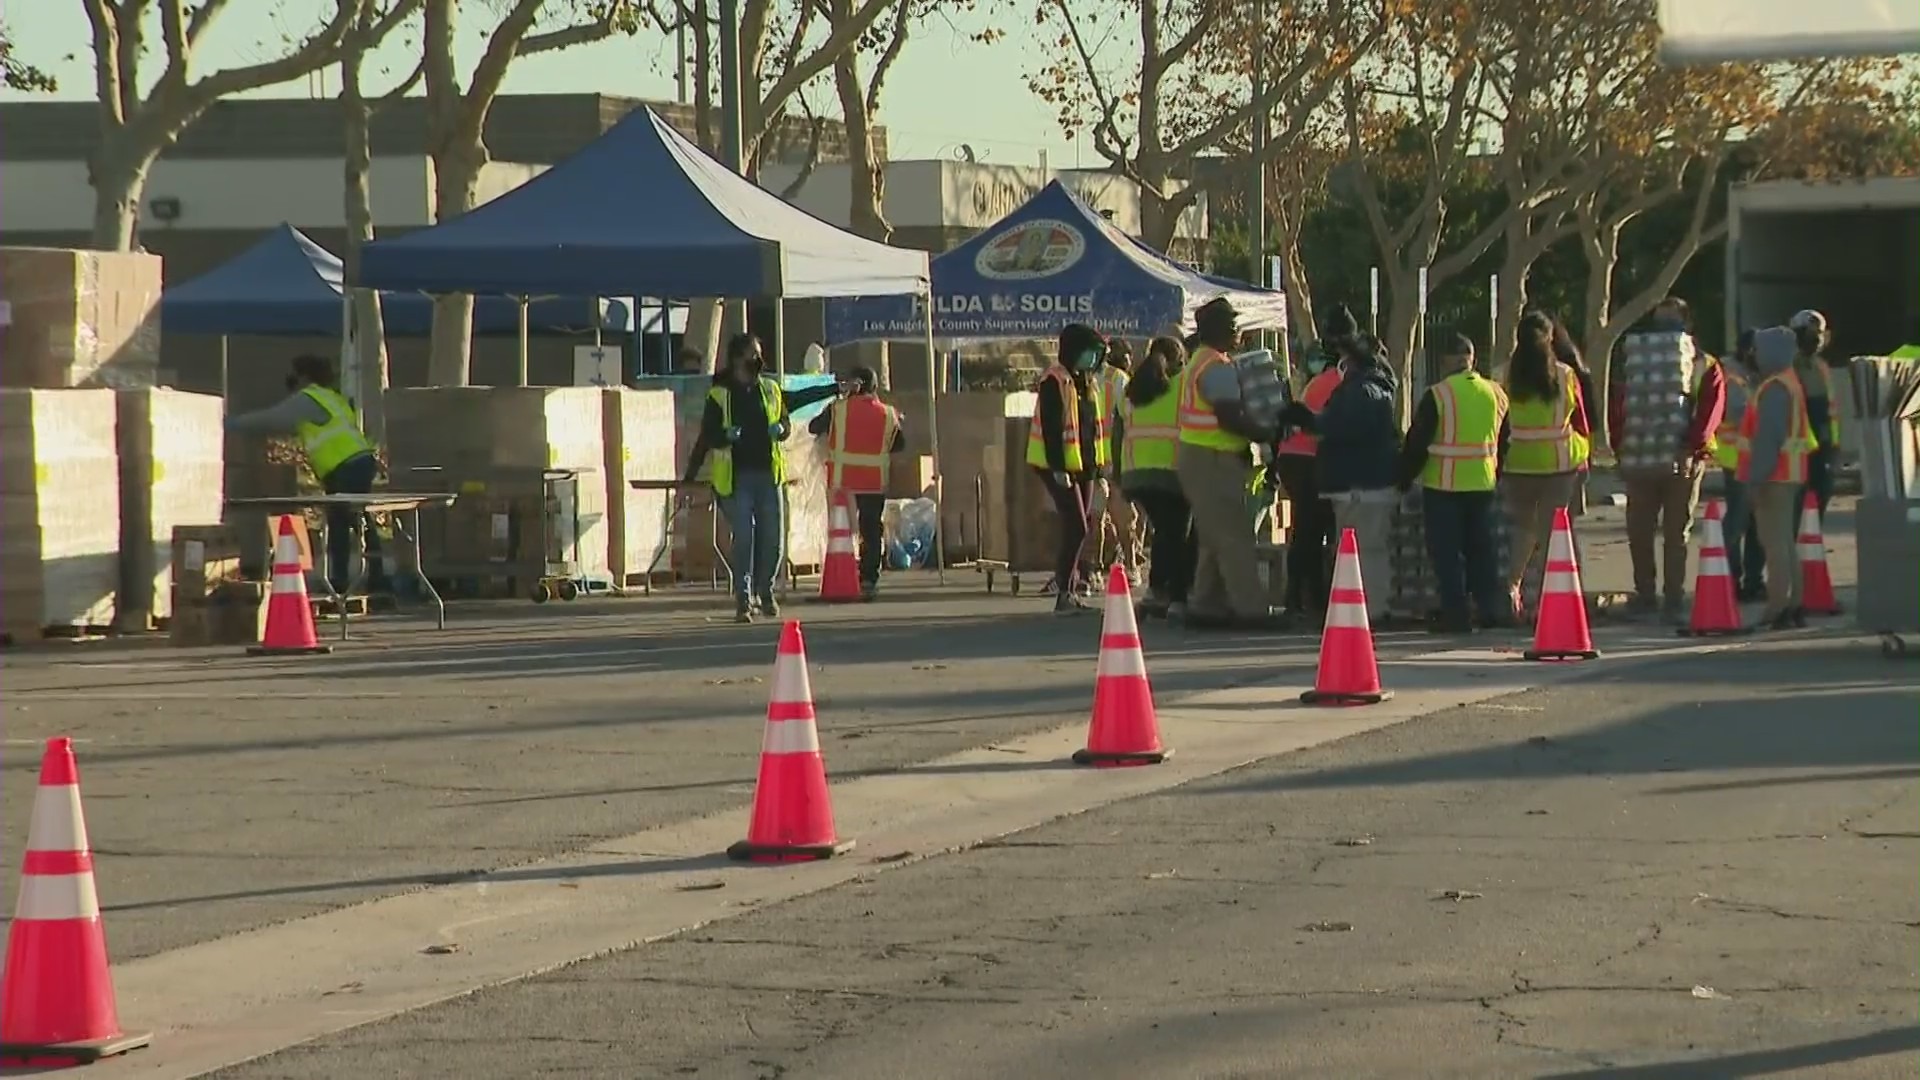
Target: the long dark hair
pixel 1566 350
pixel 1532 371
pixel 1152 375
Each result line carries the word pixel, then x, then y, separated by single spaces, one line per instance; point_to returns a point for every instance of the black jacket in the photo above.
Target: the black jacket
pixel 1359 430
pixel 1053 415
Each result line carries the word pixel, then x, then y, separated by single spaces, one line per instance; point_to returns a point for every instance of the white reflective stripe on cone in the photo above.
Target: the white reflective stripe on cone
pixel 1347 617
pixel 57 897
pixel 1812 552
pixel 790 737
pixel 790 681
pixel 57 824
pixel 1119 616
pixel 1346 573
pixel 1121 663
pixel 1560 547
pixel 1561 581
pixel 1714 566
pixel 289 583
pixel 286 550
pixel 839 544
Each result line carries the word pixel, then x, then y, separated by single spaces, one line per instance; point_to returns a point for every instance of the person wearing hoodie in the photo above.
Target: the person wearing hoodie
pixel 1777 439
pixel 1312 535
pixel 1811 336
pixel 1068 445
pixel 1358 427
pixel 1746 559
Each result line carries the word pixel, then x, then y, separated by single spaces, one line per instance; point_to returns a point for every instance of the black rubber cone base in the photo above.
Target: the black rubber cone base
pixel 1737 631
pixel 745 851
pixel 1118 761
pixel 55 1055
pixel 1562 654
pixel 1315 697
pixel 264 650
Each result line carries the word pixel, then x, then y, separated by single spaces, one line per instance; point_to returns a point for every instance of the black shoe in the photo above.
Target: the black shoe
pixel 869 591
pixel 769 606
pixel 1748 594
pixel 1799 616
pixel 742 612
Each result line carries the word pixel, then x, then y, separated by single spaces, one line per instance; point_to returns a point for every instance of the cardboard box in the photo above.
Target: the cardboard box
pixel 204 558
pixel 640 439
pixel 234 614
pixel 80 318
pixel 59 509
pixel 172 473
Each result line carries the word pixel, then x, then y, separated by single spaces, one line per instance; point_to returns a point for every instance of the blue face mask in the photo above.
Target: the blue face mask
pixel 1088 360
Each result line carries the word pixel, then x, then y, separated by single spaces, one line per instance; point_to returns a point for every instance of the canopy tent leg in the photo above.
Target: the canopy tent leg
pixel 523 341
pixel 224 388
pixel 933 433
pixel 599 319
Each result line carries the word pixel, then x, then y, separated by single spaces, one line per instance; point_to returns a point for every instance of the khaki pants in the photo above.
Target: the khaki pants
pixel 1531 501
pixel 1226 576
pixel 1661 502
pixel 1776 509
pixel 1119 530
pixel 1370 515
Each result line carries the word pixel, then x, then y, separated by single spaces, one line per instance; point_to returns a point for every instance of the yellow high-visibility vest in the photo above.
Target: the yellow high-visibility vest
pixel 1464 454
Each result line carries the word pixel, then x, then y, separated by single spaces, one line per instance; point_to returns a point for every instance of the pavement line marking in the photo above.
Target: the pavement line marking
pixel 241 997
pixel 223 695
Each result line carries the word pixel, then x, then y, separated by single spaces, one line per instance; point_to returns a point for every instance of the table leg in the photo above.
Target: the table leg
pixel 713 536
pixel 324 560
pixel 420 571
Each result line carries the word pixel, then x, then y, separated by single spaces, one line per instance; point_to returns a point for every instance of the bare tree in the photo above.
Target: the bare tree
pixel 137 125
pixel 17 74
pixel 1178 89
pixel 457 119
pixel 371 26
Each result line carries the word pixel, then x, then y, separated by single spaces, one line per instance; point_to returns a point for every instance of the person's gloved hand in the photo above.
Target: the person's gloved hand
pixel 733 434
pixel 778 431
pixel 1296 414
pixel 1061 479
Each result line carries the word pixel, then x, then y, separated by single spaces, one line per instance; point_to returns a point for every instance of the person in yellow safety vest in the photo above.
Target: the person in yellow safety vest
pixel 1149 440
pixel 1454 449
pixel 1812 334
pixel 746 418
pixel 1551 441
pixel 341 457
pixel 1746 559
pixel 1777 441
pixel 1310 541
pixel 862 434
pixel 1068 445
pixel 1214 462
pixel 1112 511
pixel 1905 352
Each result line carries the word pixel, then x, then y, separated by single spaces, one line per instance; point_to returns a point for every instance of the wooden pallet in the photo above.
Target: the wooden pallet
pixel 327 607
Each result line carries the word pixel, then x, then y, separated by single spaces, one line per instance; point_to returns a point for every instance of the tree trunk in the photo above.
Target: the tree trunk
pixel 1159 213
pixel 371 332
pixel 1302 325
pixel 1600 243
pixel 1402 336
pixel 119 179
pixel 456 189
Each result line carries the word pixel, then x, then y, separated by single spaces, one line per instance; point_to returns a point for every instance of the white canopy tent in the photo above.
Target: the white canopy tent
pixel 1714 31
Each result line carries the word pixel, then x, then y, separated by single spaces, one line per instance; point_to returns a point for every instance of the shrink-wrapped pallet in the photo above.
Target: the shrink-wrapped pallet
pixel 59 511
pixel 1657 376
pixel 640 439
pixel 80 318
pixel 172 470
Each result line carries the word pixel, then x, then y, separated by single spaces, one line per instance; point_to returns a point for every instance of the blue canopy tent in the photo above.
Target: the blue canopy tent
pixel 286 285
pixel 1051 262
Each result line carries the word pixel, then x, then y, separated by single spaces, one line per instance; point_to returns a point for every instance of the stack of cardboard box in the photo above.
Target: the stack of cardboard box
pixel 639 436
pixel 59 511
pixel 171 474
pixel 80 318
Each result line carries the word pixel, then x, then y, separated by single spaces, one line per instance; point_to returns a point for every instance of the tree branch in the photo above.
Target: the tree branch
pixel 316 51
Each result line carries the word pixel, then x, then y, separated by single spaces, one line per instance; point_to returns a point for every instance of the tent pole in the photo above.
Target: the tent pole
pixel 223 370
pixel 933 434
pixel 523 342
pixel 780 337
pixel 598 319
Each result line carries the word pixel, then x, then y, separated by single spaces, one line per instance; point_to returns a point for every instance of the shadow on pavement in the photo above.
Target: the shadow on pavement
pixel 1906 772
pixel 930 769
pixel 1762 1062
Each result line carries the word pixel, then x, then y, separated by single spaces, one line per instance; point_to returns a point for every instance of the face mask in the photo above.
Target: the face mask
pixel 1087 360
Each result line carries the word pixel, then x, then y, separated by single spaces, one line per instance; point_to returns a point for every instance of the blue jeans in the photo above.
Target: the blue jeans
pixel 755 517
pixel 353 476
pixel 1746 559
pixel 1459 528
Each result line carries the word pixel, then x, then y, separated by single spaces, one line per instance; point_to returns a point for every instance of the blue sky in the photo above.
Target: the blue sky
pixel 945 90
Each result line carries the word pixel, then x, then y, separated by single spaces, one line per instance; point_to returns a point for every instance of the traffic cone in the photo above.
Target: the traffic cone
pixel 56 1001
pixel 792 812
pixel 840 574
pixel 1561 633
pixel 1715 611
pixel 289 617
pixel 1816 584
pixel 1124 730
pixel 1349 674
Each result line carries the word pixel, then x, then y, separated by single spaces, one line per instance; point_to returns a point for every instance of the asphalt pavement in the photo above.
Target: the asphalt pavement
pixel 1693 868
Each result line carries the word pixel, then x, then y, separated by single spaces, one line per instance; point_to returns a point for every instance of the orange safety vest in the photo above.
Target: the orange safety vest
pixel 1791 467
pixel 1197 423
pixel 859 444
pixel 1314 397
pixel 1070 426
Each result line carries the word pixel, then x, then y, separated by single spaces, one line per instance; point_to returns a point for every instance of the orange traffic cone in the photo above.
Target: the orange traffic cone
pixel 1816 584
pixel 1349 674
pixel 289 616
pixel 1124 730
pixel 792 812
pixel 56 1003
pixel 1561 631
pixel 840 575
pixel 1715 611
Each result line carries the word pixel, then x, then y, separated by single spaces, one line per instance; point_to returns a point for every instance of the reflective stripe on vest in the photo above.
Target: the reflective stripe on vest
pixel 1726 438
pixel 1069 425
pixel 1543 440
pixel 1314 397
pixel 858 445
pixel 1465 449
pixel 1152 431
pixel 1791 466
pixel 336 442
pixel 722 456
pixel 1198 425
